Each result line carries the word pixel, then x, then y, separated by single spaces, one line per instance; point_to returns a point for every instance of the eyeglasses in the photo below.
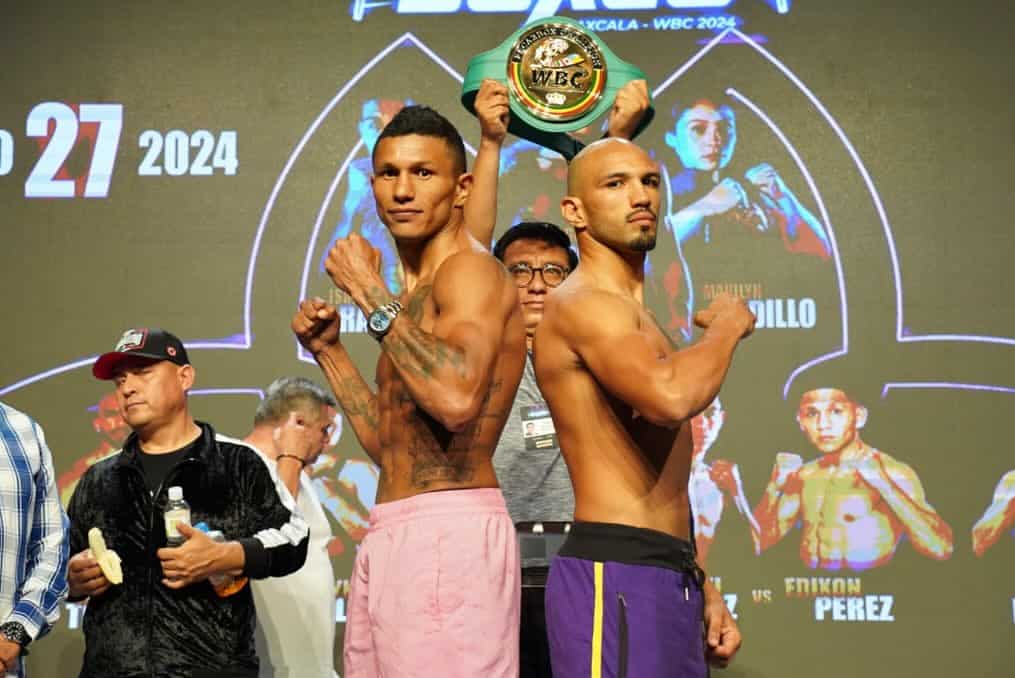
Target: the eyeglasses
pixel 552 274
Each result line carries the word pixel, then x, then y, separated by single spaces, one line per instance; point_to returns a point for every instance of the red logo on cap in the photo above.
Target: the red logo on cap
pixel 171 351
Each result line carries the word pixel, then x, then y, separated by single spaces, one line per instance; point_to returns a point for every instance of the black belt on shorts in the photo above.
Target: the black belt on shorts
pixel 631 545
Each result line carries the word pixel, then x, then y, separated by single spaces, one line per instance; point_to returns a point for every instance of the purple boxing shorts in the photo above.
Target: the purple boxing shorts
pixel 625 602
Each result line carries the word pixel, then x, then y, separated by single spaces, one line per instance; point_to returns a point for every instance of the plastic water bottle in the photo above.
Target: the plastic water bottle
pixel 222 580
pixel 224 584
pixel 177 511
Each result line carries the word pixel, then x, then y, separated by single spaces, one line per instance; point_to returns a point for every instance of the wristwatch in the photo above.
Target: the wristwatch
pixel 379 321
pixel 16 633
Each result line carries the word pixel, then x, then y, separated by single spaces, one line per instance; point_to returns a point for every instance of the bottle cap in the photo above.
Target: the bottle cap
pixel 175 493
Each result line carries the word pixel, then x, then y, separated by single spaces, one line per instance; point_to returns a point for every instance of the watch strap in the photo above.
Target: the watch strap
pixel 16 633
pixel 390 309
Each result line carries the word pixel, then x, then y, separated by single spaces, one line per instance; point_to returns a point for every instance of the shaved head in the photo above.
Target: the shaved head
pixel 586 157
pixel 613 195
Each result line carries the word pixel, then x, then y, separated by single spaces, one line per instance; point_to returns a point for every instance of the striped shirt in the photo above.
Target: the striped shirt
pixel 33 541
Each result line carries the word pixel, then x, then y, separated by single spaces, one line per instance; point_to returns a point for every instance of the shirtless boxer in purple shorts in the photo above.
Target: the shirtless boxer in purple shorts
pixel 625 596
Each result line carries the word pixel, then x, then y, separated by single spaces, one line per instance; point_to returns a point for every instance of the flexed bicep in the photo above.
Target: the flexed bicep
pixel 625 362
pixel 448 368
pixel 626 353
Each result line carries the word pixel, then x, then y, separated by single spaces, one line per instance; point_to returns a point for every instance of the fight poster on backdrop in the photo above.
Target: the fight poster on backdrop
pixel 193 172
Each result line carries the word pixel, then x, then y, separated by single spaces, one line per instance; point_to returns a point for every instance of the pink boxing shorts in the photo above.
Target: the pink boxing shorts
pixel 435 590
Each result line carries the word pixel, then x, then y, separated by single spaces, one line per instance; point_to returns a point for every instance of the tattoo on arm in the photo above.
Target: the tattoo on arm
pixel 421 354
pixel 416 353
pixel 358 402
pixel 377 297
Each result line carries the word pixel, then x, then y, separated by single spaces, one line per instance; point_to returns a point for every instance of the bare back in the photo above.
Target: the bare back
pixel 417 452
pixel 625 469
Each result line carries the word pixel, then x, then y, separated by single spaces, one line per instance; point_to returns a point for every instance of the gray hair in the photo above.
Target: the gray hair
pixel 287 394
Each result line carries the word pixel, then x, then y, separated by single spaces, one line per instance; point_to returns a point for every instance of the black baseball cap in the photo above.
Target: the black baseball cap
pixel 142 342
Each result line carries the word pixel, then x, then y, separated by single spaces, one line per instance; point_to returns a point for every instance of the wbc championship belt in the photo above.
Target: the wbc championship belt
pixel 560 77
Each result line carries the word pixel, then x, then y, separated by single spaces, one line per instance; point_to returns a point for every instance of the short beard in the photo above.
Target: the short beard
pixel 644 242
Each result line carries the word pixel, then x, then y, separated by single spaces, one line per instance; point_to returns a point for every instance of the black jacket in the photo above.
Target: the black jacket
pixel 142 628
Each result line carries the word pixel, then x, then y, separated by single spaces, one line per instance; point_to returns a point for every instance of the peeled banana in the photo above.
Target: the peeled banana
pixel 109 561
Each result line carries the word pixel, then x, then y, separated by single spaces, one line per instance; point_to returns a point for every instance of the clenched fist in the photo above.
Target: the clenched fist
pixel 316 325
pixel 629 107
pixel 354 266
pixel 726 195
pixel 767 180
pixel 729 310
pixel 492 110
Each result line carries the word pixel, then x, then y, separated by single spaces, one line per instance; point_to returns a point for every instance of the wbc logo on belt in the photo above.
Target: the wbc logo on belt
pixel 556 71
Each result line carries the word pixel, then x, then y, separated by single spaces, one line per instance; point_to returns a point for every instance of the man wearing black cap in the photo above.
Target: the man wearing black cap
pixel 165 618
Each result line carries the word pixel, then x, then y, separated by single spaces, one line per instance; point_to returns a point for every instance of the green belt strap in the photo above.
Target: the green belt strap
pixel 523 123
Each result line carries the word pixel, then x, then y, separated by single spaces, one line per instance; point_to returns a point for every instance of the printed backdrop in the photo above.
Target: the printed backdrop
pixel 840 164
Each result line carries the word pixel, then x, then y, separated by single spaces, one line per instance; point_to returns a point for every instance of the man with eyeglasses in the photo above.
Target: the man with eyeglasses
pixel 530 470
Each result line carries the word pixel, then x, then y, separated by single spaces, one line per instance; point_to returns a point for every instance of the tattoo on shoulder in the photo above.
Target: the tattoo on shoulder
pixel 420 352
pixel 416 303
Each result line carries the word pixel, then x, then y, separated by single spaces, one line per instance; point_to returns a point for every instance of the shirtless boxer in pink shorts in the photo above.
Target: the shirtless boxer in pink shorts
pixel 435 589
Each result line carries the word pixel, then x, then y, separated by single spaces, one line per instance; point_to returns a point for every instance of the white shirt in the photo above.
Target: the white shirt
pixel 296 614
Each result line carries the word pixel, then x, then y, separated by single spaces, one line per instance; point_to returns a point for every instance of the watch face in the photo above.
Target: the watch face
pixel 379 321
pixel 14 632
